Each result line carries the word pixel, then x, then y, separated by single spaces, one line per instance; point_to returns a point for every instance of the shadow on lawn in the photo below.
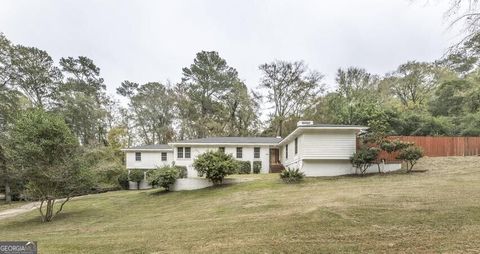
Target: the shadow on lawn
pixel 367 175
pixel 159 192
pixel 35 221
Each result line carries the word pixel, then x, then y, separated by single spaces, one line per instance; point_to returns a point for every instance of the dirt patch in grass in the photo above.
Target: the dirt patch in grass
pixel 14 204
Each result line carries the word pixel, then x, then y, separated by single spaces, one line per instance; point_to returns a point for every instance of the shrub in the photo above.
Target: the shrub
pixel 400 145
pixel 123 180
pixel 410 155
pixel 291 175
pixel 152 177
pixel 244 167
pixel 257 166
pixel 163 177
pixel 136 175
pixel 182 171
pixel 393 146
pixel 104 164
pixel 387 146
pixel 215 165
pixel 364 158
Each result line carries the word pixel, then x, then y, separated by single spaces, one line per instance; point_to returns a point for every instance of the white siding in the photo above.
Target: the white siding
pixel 293 160
pixel 321 152
pixel 230 149
pixel 328 144
pixel 150 159
pixel 327 167
pixel 340 167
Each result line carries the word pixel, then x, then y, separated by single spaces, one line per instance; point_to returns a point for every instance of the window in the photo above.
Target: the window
pixel 221 149
pixel 138 156
pixel 296 145
pixel 286 151
pixel 239 152
pixel 256 152
pixel 187 152
pixel 180 152
pixel 164 156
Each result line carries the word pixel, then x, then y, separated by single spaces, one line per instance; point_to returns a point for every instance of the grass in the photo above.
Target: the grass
pixel 434 211
pixel 13 204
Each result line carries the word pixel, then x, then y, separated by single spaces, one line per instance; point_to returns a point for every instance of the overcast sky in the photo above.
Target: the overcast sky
pixel 153 40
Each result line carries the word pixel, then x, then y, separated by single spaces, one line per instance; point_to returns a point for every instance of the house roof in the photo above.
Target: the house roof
pixel 300 129
pixel 149 147
pixel 245 140
pixel 230 140
pixel 333 126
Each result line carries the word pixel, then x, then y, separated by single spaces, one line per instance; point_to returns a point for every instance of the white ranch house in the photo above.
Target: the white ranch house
pixel 316 149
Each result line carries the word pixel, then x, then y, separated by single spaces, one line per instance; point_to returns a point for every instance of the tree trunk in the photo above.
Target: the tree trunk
pixel 48 215
pixel 8 193
pixel 280 127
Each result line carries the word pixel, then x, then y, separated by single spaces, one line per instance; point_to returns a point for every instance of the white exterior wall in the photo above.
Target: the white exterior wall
pixel 293 160
pixel 341 167
pixel 150 159
pixel 327 167
pixel 321 152
pixel 329 144
pixel 190 184
pixel 247 155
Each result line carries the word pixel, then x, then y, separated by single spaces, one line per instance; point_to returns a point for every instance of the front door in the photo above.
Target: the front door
pixel 274 156
pixel 275 165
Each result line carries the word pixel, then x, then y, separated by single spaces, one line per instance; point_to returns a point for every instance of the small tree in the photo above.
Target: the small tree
pixel 400 145
pixel 43 145
pixel 364 158
pixel 410 156
pixel 163 177
pixel 388 146
pixel 393 146
pixel 215 165
pixel 137 176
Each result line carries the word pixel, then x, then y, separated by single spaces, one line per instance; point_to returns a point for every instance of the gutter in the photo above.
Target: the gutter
pixel 146 150
pixel 223 144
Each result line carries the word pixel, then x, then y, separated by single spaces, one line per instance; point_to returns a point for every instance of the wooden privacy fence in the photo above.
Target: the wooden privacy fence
pixel 440 146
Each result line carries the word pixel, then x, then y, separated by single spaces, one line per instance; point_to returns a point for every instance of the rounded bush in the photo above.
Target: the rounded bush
pixel 163 177
pixel 182 171
pixel 215 165
pixel 244 167
pixel 257 167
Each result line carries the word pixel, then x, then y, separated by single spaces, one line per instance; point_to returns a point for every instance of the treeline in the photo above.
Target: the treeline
pixel 418 98
pixel 439 98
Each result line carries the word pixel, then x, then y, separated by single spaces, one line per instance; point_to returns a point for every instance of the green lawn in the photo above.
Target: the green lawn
pixel 14 204
pixel 434 211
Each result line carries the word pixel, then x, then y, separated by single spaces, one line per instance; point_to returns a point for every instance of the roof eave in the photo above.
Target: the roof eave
pixel 300 130
pixel 223 144
pixel 146 149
